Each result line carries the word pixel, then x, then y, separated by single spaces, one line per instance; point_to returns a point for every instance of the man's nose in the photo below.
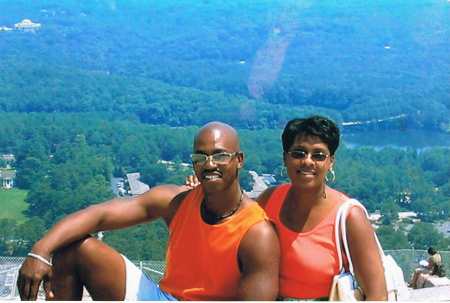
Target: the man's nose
pixel 209 162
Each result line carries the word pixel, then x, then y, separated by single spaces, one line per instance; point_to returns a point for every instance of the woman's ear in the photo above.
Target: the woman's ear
pixel 332 160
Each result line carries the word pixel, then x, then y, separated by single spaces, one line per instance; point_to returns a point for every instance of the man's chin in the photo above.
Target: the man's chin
pixel 212 186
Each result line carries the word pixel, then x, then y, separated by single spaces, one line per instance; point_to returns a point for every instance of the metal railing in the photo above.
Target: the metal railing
pixel 9 269
pixel 407 259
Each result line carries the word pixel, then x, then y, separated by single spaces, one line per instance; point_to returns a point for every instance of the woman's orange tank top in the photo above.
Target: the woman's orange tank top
pixel 202 259
pixel 308 259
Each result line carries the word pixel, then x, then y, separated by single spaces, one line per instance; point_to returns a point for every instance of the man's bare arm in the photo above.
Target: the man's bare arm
pixel 113 214
pixel 259 256
pixel 158 202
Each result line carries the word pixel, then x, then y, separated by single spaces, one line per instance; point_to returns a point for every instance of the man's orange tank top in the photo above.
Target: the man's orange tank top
pixel 202 259
pixel 308 259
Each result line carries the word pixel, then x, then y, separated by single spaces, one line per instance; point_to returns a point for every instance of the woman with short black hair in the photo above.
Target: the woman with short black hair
pixel 304 213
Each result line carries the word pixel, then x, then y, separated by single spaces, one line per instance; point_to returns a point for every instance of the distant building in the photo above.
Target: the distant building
pixel 260 183
pixel 27 24
pixel 7 177
pixel 269 179
pixel 136 187
pixel 171 166
pixel 8 157
pixel 375 217
pixel 408 215
pixel 5 29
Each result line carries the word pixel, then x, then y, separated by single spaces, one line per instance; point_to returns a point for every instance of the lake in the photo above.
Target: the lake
pixel 402 139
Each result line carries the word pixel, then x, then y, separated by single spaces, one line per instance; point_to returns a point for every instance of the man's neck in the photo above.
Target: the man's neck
pixel 223 201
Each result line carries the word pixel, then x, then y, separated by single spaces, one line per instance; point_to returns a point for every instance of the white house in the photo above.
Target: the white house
pixel 136 187
pixel 260 183
pixel 407 215
pixel 375 217
pixel 7 177
pixel 27 24
pixel 5 29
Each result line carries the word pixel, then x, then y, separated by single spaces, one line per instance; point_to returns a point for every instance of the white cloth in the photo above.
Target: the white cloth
pixel 139 287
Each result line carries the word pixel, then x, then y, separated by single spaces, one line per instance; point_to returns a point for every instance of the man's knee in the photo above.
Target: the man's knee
pixel 73 252
pixel 420 270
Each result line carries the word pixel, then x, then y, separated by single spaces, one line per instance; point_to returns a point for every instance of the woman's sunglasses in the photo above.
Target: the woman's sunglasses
pixel 302 154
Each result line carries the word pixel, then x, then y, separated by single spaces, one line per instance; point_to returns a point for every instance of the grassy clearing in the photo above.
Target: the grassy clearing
pixel 12 204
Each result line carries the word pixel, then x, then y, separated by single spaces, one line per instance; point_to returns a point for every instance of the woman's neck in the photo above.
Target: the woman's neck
pixel 308 197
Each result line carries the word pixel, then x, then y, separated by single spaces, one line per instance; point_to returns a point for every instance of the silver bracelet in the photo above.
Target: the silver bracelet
pixel 41 258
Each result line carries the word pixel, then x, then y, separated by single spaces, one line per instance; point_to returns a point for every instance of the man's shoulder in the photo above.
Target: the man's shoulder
pixel 261 236
pixel 260 229
pixel 166 191
pixel 258 223
pixel 163 196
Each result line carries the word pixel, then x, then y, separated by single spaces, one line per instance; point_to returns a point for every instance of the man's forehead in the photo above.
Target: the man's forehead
pixel 219 134
pixel 216 134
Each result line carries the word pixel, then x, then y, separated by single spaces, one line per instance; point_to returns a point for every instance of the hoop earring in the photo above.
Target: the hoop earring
pixel 283 172
pixel 332 178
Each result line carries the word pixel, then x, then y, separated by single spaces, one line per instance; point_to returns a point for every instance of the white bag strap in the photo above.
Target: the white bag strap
pixel 337 237
pixel 341 231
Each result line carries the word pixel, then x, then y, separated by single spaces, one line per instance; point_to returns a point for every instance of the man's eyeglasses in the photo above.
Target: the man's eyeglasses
pixel 301 154
pixel 221 158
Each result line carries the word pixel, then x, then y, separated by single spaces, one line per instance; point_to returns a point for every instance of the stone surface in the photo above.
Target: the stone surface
pixel 426 280
pixel 430 294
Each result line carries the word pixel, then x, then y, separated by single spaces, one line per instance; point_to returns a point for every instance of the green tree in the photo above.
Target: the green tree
pixel 8 227
pixel 391 238
pixel 30 170
pixel 424 235
pixel 26 235
pixel 142 242
pixel 390 212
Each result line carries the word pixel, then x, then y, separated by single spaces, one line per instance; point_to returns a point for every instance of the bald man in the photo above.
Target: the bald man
pixel 221 246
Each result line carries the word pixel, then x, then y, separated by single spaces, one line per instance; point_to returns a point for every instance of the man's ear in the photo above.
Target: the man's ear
pixel 240 157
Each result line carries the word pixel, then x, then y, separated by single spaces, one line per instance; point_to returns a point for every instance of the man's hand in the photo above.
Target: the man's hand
pixel 31 274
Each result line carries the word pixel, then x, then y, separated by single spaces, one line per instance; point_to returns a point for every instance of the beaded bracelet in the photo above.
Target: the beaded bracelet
pixel 40 258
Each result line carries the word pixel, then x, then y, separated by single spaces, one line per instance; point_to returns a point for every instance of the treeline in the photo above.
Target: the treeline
pixel 50 88
pixel 65 161
pixel 185 62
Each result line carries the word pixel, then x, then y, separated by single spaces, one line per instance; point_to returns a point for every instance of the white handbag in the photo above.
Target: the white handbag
pixel 345 286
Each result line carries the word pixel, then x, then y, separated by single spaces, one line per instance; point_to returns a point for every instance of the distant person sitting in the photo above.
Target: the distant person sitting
pixel 221 244
pixel 433 266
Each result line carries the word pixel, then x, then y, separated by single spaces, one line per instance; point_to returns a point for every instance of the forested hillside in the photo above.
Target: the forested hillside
pixel 65 162
pixel 186 62
pixel 104 88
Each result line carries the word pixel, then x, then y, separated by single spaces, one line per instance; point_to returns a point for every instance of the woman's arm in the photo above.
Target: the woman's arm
pixel 365 256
